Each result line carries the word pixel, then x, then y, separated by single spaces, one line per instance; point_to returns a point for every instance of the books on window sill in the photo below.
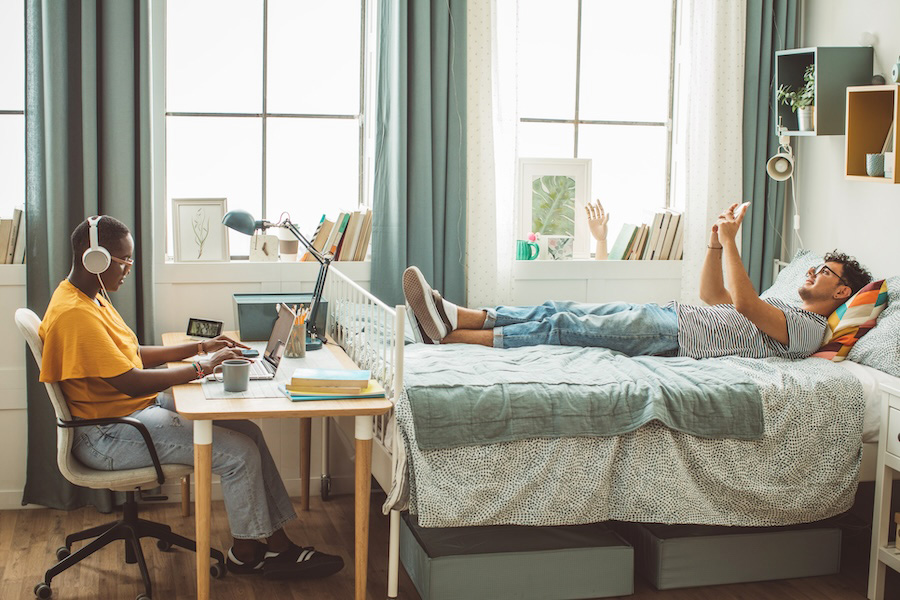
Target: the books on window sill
pixel 662 239
pixel 346 238
pixel 12 238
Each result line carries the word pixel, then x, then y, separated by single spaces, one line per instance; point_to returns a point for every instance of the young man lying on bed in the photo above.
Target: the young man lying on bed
pixel 737 323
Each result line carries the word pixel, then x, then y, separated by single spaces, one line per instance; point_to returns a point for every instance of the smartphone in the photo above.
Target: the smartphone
pixel 738 209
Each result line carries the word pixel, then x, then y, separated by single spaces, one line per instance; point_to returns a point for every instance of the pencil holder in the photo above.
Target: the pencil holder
pixel 296 346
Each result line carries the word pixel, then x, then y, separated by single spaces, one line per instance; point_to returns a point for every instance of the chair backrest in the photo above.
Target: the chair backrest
pixel 29 323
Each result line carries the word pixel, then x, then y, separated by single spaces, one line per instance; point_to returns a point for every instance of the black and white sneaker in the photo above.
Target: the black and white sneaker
pixel 301 563
pixel 246 568
pixel 420 299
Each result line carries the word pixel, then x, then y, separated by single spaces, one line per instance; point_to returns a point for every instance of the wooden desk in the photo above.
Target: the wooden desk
pixel 191 403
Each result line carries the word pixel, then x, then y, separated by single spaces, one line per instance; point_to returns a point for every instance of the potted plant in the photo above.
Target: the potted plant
pixel 802 101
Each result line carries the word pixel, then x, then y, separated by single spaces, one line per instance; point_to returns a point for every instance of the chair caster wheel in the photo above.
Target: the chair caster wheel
pixel 217 570
pixel 42 591
pixel 143 597
pixel 163 545
pixel 63 553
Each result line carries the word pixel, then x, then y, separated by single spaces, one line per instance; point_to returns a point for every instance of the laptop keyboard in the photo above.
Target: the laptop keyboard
pixel 258 370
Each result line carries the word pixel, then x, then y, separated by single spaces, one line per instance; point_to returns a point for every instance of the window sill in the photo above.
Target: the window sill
pixel 12 274
pixel 245 271
pixel 596 269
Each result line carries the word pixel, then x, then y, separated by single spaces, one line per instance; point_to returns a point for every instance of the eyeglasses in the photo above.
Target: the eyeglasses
pixel 823 267
pixel 122 261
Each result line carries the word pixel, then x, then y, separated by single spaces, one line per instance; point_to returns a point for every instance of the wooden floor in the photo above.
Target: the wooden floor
pixel 29 538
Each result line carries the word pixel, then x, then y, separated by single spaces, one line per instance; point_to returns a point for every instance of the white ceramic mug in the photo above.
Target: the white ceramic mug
pixel 235 374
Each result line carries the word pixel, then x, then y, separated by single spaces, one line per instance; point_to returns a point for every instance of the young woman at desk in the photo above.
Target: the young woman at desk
pixel 104 372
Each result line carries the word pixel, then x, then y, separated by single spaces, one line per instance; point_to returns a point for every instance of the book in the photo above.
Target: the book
pixel 13 236
pixel 319 238
pixel 663 229
pixel 340 226
pixel 652 236
pixel 328 389
pixel 678 244
pixel 305 377
pixel 362 246
pixel 19 255
pixel 623 241
pixel 638 246
pixel 372 390
pixel 348 244
pixel 5 230
pixel 670 235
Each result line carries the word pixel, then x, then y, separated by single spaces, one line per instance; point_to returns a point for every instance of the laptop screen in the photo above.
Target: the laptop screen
pixel 279 338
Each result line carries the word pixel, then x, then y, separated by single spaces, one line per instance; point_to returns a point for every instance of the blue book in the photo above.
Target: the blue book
pixel 372 390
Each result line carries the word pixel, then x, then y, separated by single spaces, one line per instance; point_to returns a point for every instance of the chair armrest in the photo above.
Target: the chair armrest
pixel 127 421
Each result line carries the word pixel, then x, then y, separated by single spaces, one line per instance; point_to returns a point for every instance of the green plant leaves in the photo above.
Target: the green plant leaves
pixel 553 205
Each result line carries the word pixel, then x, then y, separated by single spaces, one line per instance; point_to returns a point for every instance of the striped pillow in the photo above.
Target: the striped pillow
pixel 852 320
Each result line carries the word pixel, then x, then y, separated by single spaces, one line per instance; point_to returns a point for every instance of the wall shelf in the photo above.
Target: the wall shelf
pixel 836 69
pixel 872 111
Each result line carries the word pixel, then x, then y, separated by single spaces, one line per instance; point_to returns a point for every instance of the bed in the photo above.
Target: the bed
pixel 820 421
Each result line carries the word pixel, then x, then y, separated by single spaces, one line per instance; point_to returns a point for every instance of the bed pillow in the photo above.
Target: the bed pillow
pixel 880 349
pixel 792 276
pixel 852 320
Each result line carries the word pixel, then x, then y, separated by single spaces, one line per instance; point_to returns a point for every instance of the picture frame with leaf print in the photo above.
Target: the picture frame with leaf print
pixel 551 196
pixel 199 233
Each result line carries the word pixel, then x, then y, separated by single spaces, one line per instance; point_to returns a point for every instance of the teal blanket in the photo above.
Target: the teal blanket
pixel 463 395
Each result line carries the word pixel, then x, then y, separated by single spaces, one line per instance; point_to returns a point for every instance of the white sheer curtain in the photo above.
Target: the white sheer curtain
pixel 491 139
pixel 708 136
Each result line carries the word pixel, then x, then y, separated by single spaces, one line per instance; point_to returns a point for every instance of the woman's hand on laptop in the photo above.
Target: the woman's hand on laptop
pixel 218 357
pixel 219 342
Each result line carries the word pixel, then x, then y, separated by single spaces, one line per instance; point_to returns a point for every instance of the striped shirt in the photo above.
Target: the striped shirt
pixel 720 330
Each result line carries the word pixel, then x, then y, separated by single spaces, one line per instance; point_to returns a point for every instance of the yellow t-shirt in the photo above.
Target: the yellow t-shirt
pixel 83 343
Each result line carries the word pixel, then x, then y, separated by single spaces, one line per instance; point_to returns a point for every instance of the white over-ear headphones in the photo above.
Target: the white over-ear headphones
pixel 95 259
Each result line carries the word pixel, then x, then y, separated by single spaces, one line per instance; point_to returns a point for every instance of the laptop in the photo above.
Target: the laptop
pixel 267 366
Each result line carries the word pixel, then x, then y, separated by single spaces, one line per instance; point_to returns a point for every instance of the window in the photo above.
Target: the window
pixel 595 81
pixel 12 107
pixel 265 105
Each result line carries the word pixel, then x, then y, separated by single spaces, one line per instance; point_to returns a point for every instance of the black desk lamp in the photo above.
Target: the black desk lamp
pixel 243 222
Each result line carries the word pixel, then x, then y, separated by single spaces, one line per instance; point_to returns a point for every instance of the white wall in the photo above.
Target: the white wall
pixel 858 217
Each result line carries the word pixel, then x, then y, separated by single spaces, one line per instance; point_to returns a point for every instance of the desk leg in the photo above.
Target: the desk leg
pixel 363 489
pixel 305 439
pixel 202 495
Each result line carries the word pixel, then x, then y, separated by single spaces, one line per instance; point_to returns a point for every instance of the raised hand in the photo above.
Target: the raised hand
pixel 597 219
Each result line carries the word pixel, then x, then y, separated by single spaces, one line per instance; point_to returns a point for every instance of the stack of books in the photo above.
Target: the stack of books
pixel 12 239
pixel 661 240
pixel 332 384
pixel 346 238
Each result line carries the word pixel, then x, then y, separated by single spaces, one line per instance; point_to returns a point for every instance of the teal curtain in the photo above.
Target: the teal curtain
pixel 87 130
pixel 419 208
pixel 771 25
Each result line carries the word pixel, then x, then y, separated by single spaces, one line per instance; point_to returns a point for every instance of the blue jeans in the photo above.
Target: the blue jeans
pixel 255 498
pixel 634 329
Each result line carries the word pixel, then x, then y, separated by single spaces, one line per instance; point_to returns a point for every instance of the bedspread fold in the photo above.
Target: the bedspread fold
pixel 470 395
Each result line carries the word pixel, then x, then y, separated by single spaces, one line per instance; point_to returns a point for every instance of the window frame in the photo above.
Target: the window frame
pixel 161 114
pixel 576 121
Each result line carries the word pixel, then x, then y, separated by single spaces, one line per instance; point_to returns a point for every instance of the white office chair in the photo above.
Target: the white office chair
pixel 129 528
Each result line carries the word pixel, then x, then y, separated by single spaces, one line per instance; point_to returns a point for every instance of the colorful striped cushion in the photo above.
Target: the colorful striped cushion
pixel 852 320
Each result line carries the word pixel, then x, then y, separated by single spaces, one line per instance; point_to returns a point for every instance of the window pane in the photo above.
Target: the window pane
pixel 546 140
pixel 313 169
pixel 547 40
pixel 12 163
pixel 314 54
pixel 214 56
pixel 215 157
pixel 622 79
pixel 12 49
pixel 628 171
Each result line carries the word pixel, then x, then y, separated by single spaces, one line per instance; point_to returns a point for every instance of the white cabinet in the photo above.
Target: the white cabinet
pixel 884 556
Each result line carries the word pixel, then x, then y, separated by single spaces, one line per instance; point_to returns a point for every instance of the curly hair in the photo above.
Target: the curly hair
pixel 854 273
pixel 109 231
